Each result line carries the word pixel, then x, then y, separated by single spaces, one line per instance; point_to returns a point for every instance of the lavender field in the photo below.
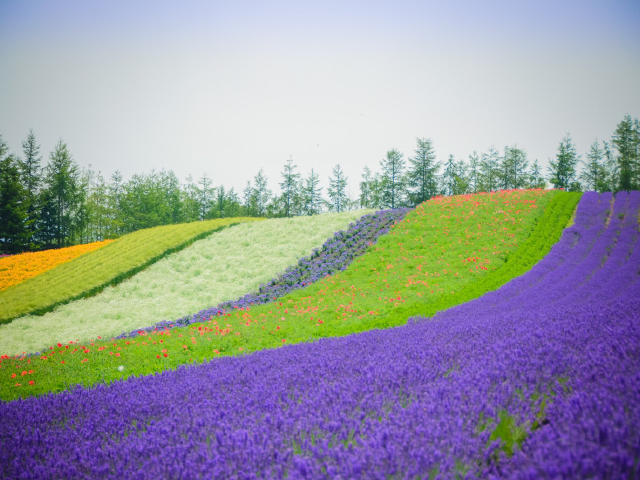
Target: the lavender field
pixel 538 379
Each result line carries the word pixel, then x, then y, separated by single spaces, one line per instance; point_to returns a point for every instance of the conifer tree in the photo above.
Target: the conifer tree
pixel 449 176
pixel 611 168
pixel 14 235
pixel 625 142
pixel 473 172
pixel 233 204
pixel 461 182
pixel 535 177
pixel 593 175
pixel 489 170
pixel 205 195
pixel 337 191
pixel 249 200
pixel 61 183
pixel 262 193
pixel 514 168
pixel 289 184
pixel 562 170
pixel 392 179
pixel 421 177
pixel 221 201
pixel 116 226
pixel 31 173
pixel 99 202
pixel 365 189
pixel 312 194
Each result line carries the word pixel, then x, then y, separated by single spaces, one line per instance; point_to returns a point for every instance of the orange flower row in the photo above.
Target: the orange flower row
pixel 18 268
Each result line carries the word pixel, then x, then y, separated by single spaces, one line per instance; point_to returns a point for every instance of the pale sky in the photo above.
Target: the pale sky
pixel 230 87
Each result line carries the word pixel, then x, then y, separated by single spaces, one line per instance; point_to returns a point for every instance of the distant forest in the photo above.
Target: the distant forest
pixel 60 204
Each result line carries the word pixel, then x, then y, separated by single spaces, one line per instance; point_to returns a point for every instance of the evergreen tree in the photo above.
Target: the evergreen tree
pixel 14 234
pixel 535 177
pixel 562 171
pixel 249 201
pixel 365 189
pixel 116 226
pixel 449 176
pixel 474 172
pixel 461 183
pixel 289 184
pixel 233 204
pixel 377 200
pixel 61 182
pixel 99 204
pixel 421 177
pixel 262 193
pixel 191 201
pixel 313 194
pixel 625 141
pixel 205 196
pixel 83 214
pixel 31 173
pixel 392 179
pixel 170 188
pixel 593 176
pixel 514 168
pixel 636 140
pixel 337 190
pixel 611 168
pixel 489 170
pixel 221 201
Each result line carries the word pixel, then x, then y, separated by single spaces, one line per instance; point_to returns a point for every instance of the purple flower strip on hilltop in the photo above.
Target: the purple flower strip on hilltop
pixel 412 402
pixel 336 254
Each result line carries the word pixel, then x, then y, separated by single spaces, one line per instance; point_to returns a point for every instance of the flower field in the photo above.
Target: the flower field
pixel 407 272
pixel 210 271
pixel 91 273
pixel 15 269
pixel 536 379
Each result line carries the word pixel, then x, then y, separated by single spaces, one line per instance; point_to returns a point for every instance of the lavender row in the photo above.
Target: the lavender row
pixel 410 402
pixel 335 255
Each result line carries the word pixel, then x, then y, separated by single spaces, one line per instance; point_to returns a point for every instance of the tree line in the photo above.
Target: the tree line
pixel 60 204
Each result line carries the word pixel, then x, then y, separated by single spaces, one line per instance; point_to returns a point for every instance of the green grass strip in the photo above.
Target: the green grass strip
pixel 546 233
pixel 89 274
pixel 418 267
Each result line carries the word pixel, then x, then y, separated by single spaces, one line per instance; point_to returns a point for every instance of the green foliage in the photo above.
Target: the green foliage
pixel 626 139
pixel 392 181
pixel 14 236
pixel 421 178
pixel 563 170
pixel 89 274
pixel 338 200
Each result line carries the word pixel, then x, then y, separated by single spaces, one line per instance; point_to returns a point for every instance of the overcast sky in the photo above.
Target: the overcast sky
pixel 230 87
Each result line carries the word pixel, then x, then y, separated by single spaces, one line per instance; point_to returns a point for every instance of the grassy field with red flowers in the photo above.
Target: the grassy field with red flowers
pixel 443 253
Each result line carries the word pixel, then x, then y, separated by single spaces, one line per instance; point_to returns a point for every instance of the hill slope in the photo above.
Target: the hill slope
pixel 435 397
pixel 400 274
